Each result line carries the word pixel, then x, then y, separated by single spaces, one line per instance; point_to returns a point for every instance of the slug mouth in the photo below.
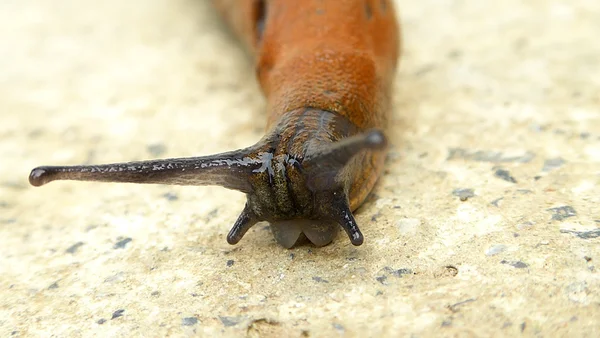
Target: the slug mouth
pixel 298 183
pixel 293 232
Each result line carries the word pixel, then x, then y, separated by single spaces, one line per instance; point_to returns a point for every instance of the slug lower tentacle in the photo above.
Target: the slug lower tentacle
pixel 326 68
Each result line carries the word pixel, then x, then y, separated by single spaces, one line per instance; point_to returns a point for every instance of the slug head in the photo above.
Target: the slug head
pixel 297 177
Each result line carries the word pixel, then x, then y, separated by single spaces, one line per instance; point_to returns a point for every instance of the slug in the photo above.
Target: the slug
pixel 326 69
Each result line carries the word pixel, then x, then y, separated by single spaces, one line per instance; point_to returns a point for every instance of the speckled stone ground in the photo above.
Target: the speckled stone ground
pixel 497 103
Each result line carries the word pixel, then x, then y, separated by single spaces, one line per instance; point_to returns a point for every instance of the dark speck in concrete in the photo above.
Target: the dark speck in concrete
pixel 122 243
pixel 455 307
pixel 171 196
pixel 515 264
pixel 189 321
pixel 488 156
pixel 91 227
pixel 155 293
pixel 424 70
pixel 118 277
pixel 101 321
pixel 156 149
pixel 230 262
pixel 496 202
pixel 53 286
pixel 583 234
pixel 212 214
pixel 375 216
pixel 584 136
pixel 454 54
pixel 560 213
pixel 338 327
pixel 553 163
pixel 229 321
pixel 319 280
pixel 388 271
pixel 463 194
pixel 399 272
pixel 587 258
pixel 450 271
pixel 520 44
pixel 523 326
pixel 73 248
pixel 117 314
pixel 537 178
pixel 505 175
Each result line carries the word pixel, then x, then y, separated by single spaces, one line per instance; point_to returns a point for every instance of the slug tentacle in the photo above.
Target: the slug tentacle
pixel 227 170
pixel 245 221
pixel 341 152
pixel 339 210
pixel 300 187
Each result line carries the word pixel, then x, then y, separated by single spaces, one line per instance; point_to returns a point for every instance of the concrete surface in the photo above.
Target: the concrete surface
pixel 498 104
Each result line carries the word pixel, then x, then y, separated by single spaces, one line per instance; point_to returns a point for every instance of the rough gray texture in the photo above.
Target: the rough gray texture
pixel 510 85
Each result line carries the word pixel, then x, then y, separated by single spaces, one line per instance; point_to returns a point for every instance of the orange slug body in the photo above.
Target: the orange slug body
pixel 326 68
